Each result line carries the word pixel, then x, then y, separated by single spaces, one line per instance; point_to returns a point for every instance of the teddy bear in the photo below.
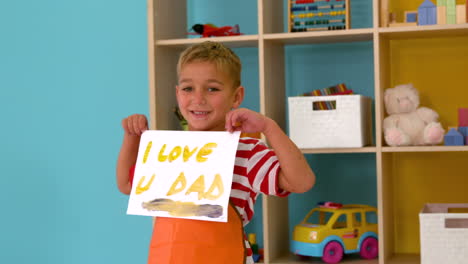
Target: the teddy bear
pixel 407 124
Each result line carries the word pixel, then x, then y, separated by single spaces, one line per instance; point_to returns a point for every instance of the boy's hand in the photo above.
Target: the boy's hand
pixel 135 124
pixel 246 120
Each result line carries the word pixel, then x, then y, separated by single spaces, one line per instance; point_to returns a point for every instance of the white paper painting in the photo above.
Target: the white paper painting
pixel 184 174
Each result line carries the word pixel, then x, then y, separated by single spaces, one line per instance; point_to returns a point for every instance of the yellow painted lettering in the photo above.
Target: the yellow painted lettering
pixel 161 156
pixel 175 153
pixel 141 189
pixel 217 184
pixel 147 151
pixel 188 153
pixel 205 151
pixel 174 189
pixel 197 186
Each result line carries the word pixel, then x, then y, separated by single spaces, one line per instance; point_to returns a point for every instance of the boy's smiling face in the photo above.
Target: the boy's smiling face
pixel 205 95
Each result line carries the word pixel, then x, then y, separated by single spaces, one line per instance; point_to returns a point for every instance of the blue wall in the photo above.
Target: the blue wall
pixel 69 72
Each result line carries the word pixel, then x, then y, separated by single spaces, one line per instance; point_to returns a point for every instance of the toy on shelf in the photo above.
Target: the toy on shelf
pixel 339 89
pixel 330 205
pixel 430 12
pixel 453 138
pixel 393 22
pixel 254 246
pixel 331 230
pixel 389 19
pixel 463 117
pixel 427 13
pixel 210 30
pixel 458 136
pixel 410 19
pixel 451 12
pixel 316 15
pixel 463 123
pixel 464 132
pixel 441 12
pixel 448 12
pixel 461 14
pixel 411 16
pixel 407 124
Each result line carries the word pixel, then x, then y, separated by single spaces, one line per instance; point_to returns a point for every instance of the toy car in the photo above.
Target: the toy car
pixel 331 230
pixel 210 30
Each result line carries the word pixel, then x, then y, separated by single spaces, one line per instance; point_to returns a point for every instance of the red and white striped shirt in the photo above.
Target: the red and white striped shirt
pixel 256 171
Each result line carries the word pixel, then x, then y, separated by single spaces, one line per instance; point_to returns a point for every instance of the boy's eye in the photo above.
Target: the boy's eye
pixel 213 89
pixel 187 89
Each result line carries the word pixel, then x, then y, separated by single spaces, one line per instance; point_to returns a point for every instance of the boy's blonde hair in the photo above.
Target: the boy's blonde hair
pixel 214 52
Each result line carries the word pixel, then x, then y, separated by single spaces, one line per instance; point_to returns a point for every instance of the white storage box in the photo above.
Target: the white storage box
pixel 444 233
pixel 349 125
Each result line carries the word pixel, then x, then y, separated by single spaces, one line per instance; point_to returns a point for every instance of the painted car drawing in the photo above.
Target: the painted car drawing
pixel 331 230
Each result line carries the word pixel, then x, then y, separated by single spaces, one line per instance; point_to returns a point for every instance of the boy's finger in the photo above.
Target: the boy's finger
pixel 237 126
pixel 127 126
pixel 234 124
pixel 136 125
pixel 130 126
pixel 142 124
pixel 227 122
pixel 124 124
pixel 237 120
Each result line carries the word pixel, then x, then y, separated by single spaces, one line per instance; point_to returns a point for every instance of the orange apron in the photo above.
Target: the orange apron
pixel 180 241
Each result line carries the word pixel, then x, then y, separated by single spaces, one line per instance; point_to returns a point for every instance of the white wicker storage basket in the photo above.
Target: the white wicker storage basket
pixel 444 233
pixel 349 125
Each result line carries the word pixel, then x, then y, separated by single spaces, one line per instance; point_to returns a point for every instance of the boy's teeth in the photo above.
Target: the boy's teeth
pixel 199 113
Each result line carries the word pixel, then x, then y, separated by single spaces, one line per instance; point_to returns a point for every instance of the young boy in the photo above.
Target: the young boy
pixel 209 93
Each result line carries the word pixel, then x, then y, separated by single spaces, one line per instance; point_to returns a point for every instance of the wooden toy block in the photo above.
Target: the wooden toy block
pixel 453 138
pixel 462 117
pixel 463 131
pixel 461 14
pixel 451 12
pixel 427 13
pixel 411 16
pixel 402 24
pixel 441 15
pixel 441 12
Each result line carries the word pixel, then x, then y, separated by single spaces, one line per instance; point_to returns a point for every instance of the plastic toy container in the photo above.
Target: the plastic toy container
pixel 339 121
pixel 444 233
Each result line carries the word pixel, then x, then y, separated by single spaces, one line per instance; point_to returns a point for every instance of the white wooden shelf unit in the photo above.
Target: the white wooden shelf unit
pixel 167 38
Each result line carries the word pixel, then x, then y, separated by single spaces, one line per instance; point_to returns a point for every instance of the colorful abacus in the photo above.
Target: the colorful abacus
pixel 315 15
